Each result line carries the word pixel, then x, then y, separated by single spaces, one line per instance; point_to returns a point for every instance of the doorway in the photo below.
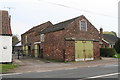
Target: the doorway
pixel 83 50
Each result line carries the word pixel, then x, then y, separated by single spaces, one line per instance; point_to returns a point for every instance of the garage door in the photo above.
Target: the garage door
pixel 83 50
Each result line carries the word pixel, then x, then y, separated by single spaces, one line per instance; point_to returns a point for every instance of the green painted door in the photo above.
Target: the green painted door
pixel 83 50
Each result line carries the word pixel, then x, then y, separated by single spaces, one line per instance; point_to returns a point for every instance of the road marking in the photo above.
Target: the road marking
pixel 114 65
pixel 103 75
pixel 11 74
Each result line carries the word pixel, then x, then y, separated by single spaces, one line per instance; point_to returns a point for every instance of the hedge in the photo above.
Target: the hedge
pixel 117 46
pixel 107 52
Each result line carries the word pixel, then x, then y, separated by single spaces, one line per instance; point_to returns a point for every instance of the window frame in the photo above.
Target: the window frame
pixel 81 27
pixel 42 37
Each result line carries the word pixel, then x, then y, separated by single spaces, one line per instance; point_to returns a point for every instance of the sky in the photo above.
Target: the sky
pixel 26 14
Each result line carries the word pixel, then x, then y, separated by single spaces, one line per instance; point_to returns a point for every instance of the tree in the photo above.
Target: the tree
pixel 15 39
pixel 117 46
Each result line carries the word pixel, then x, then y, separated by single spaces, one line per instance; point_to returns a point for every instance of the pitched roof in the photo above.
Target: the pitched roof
pixel 110 38
pixel 5 28
pixel 18 44
pixel 58 26
pixel 39 27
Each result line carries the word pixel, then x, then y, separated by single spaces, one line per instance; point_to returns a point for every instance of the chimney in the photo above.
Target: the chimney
pixel 101 34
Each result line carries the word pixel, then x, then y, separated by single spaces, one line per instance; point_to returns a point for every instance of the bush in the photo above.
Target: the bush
pixel 117 46
pixel 107 52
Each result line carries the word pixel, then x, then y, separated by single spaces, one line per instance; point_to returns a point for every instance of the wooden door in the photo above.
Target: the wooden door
pixel 83 50
pixel 36 50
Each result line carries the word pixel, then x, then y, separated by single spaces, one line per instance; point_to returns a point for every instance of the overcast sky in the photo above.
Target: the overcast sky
pixel 28 13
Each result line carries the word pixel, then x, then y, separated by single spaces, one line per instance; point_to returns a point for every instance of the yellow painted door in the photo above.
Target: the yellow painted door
pixel 26 50
pixel 88 47
pixel 36 50
pixel 83 50
pixel 79 51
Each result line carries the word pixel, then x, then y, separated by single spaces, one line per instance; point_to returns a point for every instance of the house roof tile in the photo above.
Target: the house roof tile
pixel 110 38
pixel 38 28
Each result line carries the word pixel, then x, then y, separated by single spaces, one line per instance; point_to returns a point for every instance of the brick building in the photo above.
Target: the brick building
pixel 71 40
pixel 31 41
pixel 107 40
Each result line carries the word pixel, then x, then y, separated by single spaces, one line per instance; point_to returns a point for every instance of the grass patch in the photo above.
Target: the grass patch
pixel 116 55
pixel 7 67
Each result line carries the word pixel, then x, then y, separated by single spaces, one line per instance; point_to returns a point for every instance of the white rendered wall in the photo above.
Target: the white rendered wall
pixel 0 56
pixel 5 48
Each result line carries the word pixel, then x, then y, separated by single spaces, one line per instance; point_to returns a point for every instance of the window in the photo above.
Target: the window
pixel 83 25
pixel 42 37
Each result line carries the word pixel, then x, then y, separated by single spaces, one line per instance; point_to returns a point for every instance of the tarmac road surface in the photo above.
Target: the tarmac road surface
pixel 106 71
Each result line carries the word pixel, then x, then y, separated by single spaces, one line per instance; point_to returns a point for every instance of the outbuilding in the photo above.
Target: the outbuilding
pixel 71 40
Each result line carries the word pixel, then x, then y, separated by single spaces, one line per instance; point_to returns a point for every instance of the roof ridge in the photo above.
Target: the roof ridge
pixel 34 27
pixel 67 20
pixel 59 26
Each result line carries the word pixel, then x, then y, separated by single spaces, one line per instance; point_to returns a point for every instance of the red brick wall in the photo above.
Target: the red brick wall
pixel 96 50
pixel 54 45
pixel 5 27
pixel 73 30
pixel 70 51
pixel 33 35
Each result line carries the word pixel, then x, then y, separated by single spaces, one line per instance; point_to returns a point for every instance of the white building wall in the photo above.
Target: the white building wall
pixel 0 49
pixel 5 48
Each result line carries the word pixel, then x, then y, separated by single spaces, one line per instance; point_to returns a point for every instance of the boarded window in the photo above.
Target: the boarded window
pixel 83 25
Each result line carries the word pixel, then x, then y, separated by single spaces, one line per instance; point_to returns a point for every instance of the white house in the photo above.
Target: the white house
pixel 5 37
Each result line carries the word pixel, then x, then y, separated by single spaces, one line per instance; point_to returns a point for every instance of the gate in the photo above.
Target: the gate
pixel 83 50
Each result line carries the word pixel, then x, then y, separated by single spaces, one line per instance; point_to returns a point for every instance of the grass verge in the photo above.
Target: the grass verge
pixel 6 67
pixel 116 56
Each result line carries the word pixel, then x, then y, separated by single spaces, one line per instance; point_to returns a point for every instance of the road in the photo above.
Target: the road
pixel 106 71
